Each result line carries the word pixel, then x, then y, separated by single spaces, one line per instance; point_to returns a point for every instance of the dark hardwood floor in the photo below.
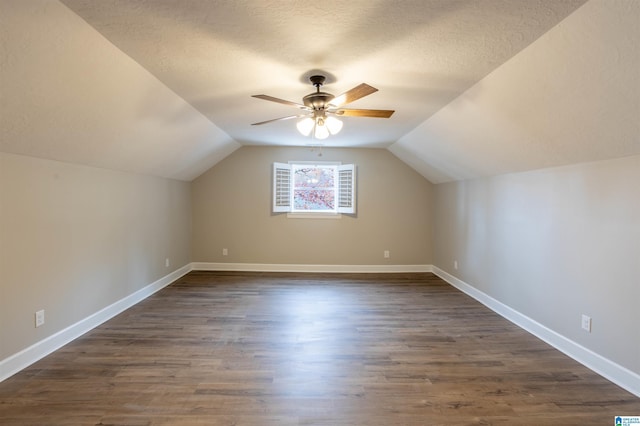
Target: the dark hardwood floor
pixel 310 349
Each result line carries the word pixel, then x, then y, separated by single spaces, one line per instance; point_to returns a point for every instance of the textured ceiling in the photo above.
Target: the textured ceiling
pixel 420 54
pixel 163 87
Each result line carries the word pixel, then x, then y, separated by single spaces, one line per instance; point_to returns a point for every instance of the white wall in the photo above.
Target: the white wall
pixel 553 244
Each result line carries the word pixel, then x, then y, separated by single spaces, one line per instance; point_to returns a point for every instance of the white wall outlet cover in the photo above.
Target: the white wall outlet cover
pixel 39 318
pixel 586 323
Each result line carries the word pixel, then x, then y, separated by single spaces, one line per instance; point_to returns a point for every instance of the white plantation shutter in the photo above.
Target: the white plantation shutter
pixel 281 187
pixel 347 188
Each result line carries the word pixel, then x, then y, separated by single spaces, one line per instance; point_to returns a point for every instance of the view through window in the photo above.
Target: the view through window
pixel 314 188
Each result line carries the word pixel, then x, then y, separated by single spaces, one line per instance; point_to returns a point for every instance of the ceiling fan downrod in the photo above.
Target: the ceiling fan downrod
pixel 318 101
pixel 317 81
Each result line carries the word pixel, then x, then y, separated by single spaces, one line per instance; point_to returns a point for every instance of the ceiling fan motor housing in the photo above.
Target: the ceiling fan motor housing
pixel 318 100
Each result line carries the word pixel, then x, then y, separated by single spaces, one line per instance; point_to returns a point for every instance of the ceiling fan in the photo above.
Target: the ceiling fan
pixel 321 108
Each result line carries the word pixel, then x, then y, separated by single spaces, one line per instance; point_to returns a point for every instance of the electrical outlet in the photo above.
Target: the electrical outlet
pixel 586 323
pixel 166 262
pixel 39 318
pixel 455 265
pixel 225 252
pixel 387 254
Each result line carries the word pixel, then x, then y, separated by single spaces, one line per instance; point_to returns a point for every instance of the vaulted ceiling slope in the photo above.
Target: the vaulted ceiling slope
pixel 163 87
pixel 572 96
pixel 68 94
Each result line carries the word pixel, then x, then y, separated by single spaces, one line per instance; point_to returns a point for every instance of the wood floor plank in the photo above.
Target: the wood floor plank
pixel 231 348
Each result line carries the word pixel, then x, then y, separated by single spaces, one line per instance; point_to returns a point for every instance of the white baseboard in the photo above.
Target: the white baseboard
pixel 617 374
pixel 37 351
pixel 608 369
pixel 266 267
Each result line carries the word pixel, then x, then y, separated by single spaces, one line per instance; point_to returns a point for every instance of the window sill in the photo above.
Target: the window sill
pixel 314 216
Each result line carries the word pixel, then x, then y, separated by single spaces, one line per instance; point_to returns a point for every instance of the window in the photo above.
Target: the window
pixel 314 188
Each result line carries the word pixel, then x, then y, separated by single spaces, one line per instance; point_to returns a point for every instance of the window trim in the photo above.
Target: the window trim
pixel 282 191
pixel 313 215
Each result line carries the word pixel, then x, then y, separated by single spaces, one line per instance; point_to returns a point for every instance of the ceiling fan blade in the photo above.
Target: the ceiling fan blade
pixel 280 101
pixel 376 113
pixel 280 119
pixel 354 94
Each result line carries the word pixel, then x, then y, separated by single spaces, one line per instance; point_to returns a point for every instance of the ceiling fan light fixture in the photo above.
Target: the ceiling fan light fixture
pixel 305 126
pixel 333 125
pixel 321 131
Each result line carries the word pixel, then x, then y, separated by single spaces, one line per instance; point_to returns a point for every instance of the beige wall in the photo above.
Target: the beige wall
pixel 75 239
pixel 232 209
pixel 553 244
